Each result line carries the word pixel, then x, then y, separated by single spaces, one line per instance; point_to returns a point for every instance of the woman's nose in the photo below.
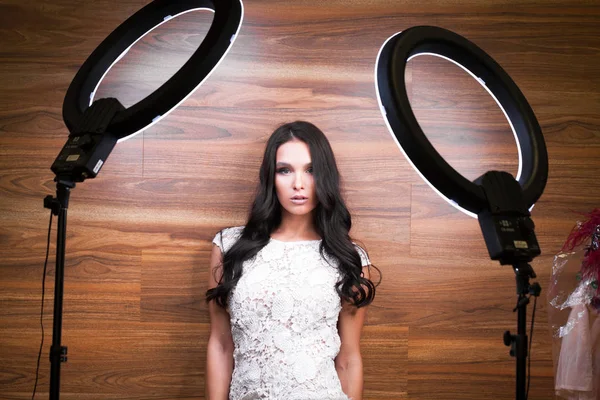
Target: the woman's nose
pixel 298 184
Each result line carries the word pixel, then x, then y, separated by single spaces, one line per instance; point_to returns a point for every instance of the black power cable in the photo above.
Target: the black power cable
pixel 530 341
pixel 37 370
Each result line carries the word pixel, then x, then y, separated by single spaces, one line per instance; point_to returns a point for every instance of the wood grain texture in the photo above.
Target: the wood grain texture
pixel 139 236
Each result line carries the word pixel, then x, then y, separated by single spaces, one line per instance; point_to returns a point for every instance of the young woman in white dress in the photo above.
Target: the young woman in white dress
pixel 288 291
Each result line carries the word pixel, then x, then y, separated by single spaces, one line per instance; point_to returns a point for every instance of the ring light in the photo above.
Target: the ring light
pixel 95 126
pixel 500 202
pixel 408 135
pixel 228 15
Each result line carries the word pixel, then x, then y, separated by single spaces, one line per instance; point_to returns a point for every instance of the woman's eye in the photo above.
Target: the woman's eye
pixel 310 170
pixel 283 170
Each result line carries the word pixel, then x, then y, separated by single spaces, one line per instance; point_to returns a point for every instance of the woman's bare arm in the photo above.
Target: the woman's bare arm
pixel 348 362
pixel 219 353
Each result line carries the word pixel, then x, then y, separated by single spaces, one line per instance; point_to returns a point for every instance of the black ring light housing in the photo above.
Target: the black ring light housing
pixel 225 25
pixel 391 87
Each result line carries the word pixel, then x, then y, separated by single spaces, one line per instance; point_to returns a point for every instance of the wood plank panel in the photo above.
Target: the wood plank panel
pixel 385 379
pixel 139 235
pixel 476 366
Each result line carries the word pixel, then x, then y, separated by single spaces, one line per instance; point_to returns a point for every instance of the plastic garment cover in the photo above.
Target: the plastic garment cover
pixel 574 319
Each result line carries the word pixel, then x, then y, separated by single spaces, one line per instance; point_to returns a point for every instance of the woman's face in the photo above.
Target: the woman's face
pixel 294 181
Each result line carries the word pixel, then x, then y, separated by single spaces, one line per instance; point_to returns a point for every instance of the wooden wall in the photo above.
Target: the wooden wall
pixel 139 235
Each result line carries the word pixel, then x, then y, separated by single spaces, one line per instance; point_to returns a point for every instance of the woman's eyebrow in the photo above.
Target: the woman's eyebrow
pixel 284 164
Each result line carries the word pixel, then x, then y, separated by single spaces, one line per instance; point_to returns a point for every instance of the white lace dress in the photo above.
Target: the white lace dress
pixel 284 313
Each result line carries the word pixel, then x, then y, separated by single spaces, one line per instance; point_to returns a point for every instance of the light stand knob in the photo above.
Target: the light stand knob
pixel 510 340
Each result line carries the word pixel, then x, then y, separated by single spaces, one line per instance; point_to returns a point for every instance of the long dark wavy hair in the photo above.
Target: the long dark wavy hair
pixel 332 219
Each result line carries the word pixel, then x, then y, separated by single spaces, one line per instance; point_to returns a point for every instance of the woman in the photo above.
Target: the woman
pixel 288 291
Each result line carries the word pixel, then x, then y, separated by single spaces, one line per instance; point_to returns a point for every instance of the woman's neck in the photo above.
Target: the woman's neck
pixel 296 227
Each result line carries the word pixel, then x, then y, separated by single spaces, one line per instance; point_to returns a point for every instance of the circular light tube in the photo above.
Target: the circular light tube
pixel 402 124
pixel 227 20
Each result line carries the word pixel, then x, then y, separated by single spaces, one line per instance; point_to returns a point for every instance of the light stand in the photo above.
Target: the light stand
pixel 86 149
pixel 96 126
pixel 509 235
pixel 500 202
pixel 58 353
pixel 518 342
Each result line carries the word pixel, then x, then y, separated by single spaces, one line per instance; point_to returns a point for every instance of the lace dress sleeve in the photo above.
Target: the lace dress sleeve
pixel 364 258
pixel 225 238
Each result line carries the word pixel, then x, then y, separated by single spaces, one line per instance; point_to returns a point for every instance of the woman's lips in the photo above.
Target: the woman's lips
pixel 299 200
